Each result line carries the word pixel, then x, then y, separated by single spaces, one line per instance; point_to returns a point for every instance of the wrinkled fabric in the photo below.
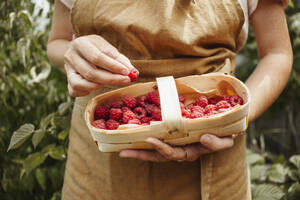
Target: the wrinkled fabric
pixel 160 37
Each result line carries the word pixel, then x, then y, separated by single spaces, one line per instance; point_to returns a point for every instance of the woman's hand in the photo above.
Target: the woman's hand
pixel 91 62
pixel 164 152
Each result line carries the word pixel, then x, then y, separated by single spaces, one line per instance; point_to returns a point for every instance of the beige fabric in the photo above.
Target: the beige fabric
pixel 161 37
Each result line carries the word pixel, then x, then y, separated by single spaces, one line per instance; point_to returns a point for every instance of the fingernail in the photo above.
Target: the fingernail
pixel 124 72
pixel 205 139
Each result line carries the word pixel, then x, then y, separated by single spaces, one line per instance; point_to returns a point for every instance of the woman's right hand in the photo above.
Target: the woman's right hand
pixel 91 62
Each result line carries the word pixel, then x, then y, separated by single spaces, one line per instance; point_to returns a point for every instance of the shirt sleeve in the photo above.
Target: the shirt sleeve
pixel 252 5
pixel 68 3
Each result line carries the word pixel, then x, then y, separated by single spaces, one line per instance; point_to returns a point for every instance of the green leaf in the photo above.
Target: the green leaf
pixel 41 178
pixel 254 158
pixel 34 160
pixel 257 172
pixel 20 136
pixel 63 135
pixel 46 121
pixel 37 137
pixel 56 196
pixel 277 173
pixel 291 3
pixel 295 160
pixel 63 108
pixel 57 153
pixel 294 174
pixel 267 192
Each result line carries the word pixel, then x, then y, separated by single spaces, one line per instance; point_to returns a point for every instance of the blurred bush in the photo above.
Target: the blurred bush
pixel 36 111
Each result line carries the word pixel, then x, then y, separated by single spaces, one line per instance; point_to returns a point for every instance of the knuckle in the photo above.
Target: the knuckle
pixel 68 57
pixel 77 43
pixel 90 75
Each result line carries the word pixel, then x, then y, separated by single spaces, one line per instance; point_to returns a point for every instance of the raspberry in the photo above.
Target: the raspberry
pixel 129 102
pixel 201 101
pixel 210 108
pixel 154 111
pixel 101 112
pixel 234 100
pixel 222 104
pixel 134 121
pixel 153 97
pixel 140 112
pixel 226 97
pixel 112 124
pixel 198 109
pixel 124 109
pixel 115 105
pixel 100 123
pixel 184 112
pixel 146 120
pixel 214 112
pixel 181 98
pixel 222 110
pixel 189 107
pixel 213 101
pixel 128 115
pixel 196 115
pixel 141 101
pixel 115 113
pixel 133 74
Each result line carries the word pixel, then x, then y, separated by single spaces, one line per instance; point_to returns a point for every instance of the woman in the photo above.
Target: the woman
pixel 160 38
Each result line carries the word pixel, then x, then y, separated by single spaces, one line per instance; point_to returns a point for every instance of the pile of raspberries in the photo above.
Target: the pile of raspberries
pixel 144 109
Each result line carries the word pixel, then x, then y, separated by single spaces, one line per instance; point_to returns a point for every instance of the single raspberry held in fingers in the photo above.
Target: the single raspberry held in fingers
pixel 222 104
pixel 213 101
pixel 210 108
pixel 129 102
pixel 146 120
pixel 134 121
pixel 202 101
pixel 226 97
pixel 116 105
pixel 140 112
pixel 101 112
pixel 112 124
pixel 128 115
pixel 100 123
pixel 141 101
pixel 234 100
pixel 153 97
pixel 115 113
pixel 133 74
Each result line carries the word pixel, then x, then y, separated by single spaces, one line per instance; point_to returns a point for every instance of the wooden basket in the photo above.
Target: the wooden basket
pixel 173 129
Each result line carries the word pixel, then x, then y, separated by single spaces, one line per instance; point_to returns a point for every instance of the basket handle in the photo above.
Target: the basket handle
pixel 170 107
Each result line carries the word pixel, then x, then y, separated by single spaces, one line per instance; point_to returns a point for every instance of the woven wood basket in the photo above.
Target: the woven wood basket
pixel 173 129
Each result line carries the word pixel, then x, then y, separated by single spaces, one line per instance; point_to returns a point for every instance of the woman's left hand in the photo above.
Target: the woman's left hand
pixel 164 152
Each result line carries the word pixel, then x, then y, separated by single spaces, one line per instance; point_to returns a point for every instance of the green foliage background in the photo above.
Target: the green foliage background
pixel 36 107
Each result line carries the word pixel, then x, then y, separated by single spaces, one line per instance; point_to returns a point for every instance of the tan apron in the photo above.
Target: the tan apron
pixel 161 37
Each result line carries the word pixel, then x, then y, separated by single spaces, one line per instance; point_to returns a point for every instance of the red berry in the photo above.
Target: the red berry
pixel 214 112
pixel 112 124
pixel 190 106
pixel 115 113
pixel 202 101
pixel 210 108
pixel 196 115
pixel 129 102
pixel 100 123
pixel 141 101
pixel 124 109
pixel 234 100
pixel 154 111
pixel 222 110
pixel 222 104
pixel 101 112
pixel 225 97
pixel 133 74
pixel 198 109
pixel 185 112
pixel 153 97
pixel 140 112
pixel 128 115
pixel 134 121
pixel 213 101
pixel 115 105
pixel 181 98
pixel 146 120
